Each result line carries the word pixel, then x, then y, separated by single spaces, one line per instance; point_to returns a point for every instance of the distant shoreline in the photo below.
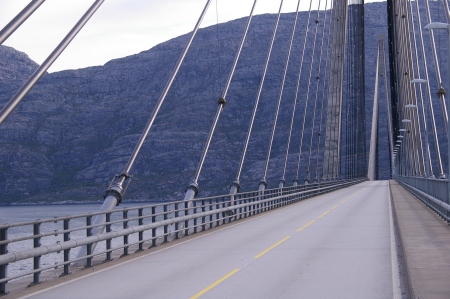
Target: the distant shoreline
pixel 15 204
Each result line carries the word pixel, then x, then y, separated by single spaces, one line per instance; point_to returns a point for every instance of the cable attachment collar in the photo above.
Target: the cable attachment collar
pixel 441 91
pixel 237 184
pixel 192 186
pixel 263 182
pixel 222 102
pixel 115 187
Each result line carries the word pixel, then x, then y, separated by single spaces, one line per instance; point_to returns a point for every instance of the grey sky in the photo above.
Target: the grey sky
pixel 120 27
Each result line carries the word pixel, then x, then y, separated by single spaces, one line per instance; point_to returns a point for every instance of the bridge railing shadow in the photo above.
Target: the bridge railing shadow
pixel 36 247
pixel 432 192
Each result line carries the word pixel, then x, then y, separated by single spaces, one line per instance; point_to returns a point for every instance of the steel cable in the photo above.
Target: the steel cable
pixel 294 105
pixel 308 91
pixel 415 110
pixel 317 87
pixel 437 68
pixel 269 150
pixel 221 104
pixel 427 156
pixel 319 135
pixel 255 107
pixel 430 105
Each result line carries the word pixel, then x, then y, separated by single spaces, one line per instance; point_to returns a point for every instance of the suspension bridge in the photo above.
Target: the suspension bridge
pixel 336 231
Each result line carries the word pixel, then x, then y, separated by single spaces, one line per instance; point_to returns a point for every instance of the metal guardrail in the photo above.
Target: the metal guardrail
pixel 432 192
pixel 149 225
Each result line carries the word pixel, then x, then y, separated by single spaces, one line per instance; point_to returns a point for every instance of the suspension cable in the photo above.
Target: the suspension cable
pixel 323 90
pixel 423 160
pixel 19 19
pixel 441 91
pixel 221 104
pixel 294 106
pixel 427 156
pixel 332 112
pixel 309 85
pixel 116 189
pixel 317 87
pixel 23 91
pixel 412 132
pixel 165 92
pixel 255 108
pixel 263 180
pixel 405 85
pixel 218 47
pixel 447 11
pixel 430 105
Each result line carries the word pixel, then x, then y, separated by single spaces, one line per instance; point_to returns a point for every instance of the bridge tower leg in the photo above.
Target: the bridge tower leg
pixel 334 102
pixel 372 175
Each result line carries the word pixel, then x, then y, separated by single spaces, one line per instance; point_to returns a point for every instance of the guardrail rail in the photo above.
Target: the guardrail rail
pixel 140 228
pixel 432 192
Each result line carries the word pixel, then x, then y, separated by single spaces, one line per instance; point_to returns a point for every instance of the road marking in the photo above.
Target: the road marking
pixel 305 226
pixel 335 207
pixel 324 214
pixel 211 286
pixel 132 259
pixel 348 198
pixel 396 286
pixel 271 247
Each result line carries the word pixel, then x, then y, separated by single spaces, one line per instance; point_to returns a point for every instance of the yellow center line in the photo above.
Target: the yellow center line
pixel 305 226
pixel 335 207
pixel 324 214
pixel 211 286
pixel 349 198
pixel 271 247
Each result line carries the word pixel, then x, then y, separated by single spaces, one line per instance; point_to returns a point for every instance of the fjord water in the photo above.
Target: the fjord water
pixel 15 214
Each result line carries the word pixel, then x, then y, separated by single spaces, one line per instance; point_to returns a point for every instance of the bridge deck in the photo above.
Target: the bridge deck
pixel 337 245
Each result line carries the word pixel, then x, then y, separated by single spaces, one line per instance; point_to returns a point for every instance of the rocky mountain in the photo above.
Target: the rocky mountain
pixel 76 129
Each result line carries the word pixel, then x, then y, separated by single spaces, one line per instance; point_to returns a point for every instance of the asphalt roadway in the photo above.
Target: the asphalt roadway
pixel 337 245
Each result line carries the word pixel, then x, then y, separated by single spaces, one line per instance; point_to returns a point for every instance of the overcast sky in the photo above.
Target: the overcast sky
pixel 120 27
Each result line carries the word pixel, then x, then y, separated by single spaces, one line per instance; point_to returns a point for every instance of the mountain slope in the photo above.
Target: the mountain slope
pixel 77 128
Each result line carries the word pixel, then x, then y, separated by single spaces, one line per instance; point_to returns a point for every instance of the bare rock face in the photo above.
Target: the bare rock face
pixel 76 129
pixel 15 66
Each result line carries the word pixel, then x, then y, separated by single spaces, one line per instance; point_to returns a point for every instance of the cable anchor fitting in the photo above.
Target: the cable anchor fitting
pixel 194 187
pixel 237 184
pixel 115 187
pixel 441 91
pixel 222 102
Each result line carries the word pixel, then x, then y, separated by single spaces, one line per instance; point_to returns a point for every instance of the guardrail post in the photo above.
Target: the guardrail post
pixel 186 223
pixel 203 218
pixel 165 226
pixel 217 214
pixel 177 225
pixel 194 203
pixel 125 238
pixel 210 216
pixel 108 242
pixel 141 234
pixel 37 259
pixel 3 268
pixel 246 208
pixel 235 211
pixel 154 229
pixel 66 236
pixel 89 246
pixel 224 215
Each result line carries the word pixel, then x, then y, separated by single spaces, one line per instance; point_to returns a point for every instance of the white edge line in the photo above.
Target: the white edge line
pixel 396 288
